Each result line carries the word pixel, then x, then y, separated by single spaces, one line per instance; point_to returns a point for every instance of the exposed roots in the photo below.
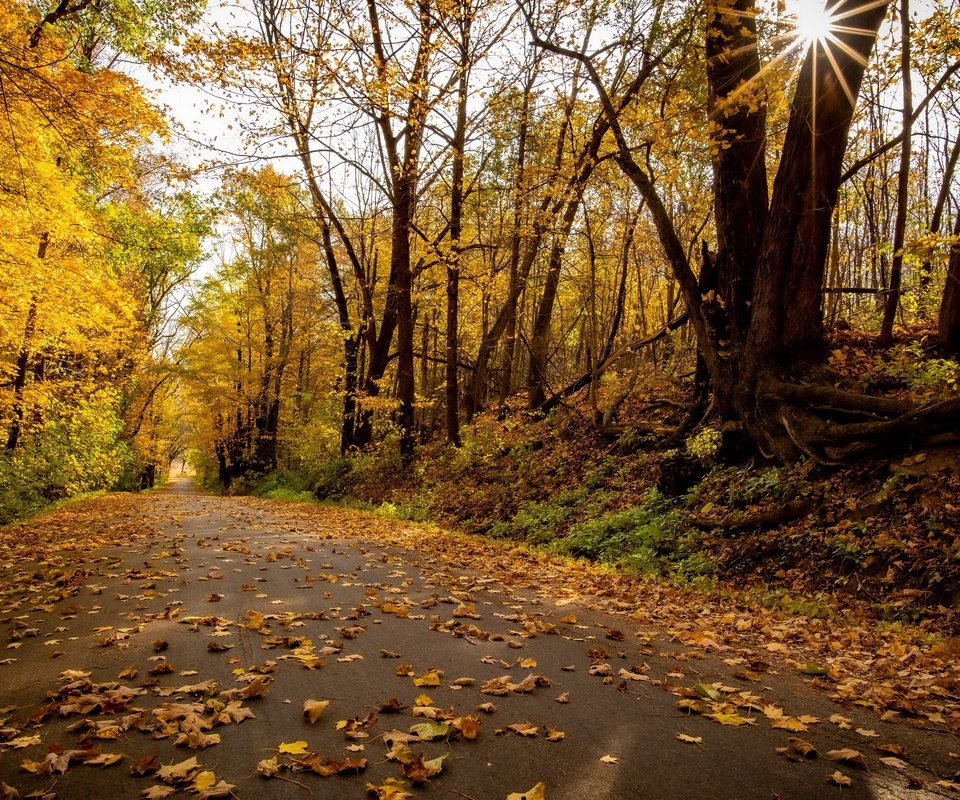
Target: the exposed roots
pixel 770 518
pixel 836 427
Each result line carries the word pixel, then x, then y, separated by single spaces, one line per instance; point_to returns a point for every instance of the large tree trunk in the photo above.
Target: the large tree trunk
pixel 787 319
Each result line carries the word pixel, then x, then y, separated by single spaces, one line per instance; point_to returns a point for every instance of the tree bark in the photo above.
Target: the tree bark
pixel 903 182
pixel 949 327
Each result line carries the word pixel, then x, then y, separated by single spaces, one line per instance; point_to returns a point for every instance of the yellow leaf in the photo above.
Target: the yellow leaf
pixel 204 780
pixel 423 700
pixel 297 748
pixel 609 759
pixel 538 792
pixel 391 789
pixel 427 679
pixel 553 735
pixel 789 724
pixel 690 739
pixel 734 720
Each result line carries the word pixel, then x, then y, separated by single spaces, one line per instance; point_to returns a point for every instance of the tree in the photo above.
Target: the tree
pixel 759 323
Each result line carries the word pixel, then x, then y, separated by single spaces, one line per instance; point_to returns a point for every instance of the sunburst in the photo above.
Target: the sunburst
pixel 812 20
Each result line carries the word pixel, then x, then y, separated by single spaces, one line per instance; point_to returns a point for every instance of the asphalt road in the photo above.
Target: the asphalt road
pixel 217 588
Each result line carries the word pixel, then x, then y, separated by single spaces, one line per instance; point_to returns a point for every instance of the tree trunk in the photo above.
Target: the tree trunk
pixel 20 377
pixel 903 182
pixel 949 328
pixel 456 232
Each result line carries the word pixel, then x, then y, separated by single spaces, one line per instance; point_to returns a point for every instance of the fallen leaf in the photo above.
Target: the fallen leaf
pixel 429 731
pixel 803 747
pixel 609 759
pixel 314 709
pixel 391 789
pixel 690 739
pixel 181 771
pixel 553 735
pixel 297 748
pixel 893 761
pixel 269 767
pixel 847 755
pixel 840 779
pixel 726 718
pixel 468 726
pixel 157 792
pixel 538 792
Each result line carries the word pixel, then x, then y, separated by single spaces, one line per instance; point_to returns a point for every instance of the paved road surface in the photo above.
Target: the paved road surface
pixel 185 573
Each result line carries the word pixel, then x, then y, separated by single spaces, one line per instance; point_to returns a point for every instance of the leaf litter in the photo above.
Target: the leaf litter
pixel 850 664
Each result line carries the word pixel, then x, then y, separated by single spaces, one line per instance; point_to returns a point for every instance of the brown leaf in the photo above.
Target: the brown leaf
pixel 468 726
pixel 314 709
pixel 847 755
pixel 145 765
pixel 840 779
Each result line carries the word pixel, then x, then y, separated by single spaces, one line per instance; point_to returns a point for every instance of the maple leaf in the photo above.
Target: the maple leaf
pixel 788 724
pixel 157 792
pixel 324 766
pixel 538 792
pixel 177 773
pixel 429 731
pixel 391 789
pixel 220 789
pixel 420 771
pixel 145 765
pixel 524 728
pixel 727 718
pixel 840 779
pixel 683 737
pixel 104 760
pixel 269 767
pixel 204 780
pixel 314 709
pixel 553 735
pixel 609 760
pixel 23 741
pixel 847 755
pixel 196 740
pixel 293 748
pixel 431 678
pixel 468 726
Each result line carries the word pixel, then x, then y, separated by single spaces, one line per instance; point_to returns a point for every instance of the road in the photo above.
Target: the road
pixel 135 622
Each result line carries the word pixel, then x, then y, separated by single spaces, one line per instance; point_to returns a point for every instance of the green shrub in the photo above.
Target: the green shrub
pixel 538 522
pixel 647 539
pixel 329 480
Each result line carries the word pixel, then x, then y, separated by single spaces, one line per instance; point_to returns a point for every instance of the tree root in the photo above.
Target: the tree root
pixel 770 518
pixel 835 427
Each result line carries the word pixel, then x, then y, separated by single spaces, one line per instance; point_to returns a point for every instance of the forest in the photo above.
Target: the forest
pixel 598 276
